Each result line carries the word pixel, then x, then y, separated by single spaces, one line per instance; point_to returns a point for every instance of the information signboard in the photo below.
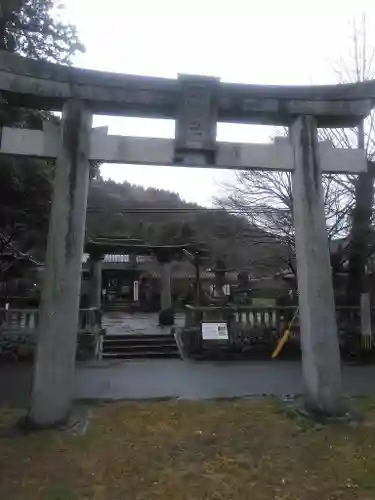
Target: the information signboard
pixel 215 331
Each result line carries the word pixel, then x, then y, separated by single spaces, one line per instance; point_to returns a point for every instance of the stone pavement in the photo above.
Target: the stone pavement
pixel 149 379
pixel 205 379
pixel 123 323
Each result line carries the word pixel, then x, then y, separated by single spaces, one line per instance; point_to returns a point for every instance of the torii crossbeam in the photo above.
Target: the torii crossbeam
pixel 106 148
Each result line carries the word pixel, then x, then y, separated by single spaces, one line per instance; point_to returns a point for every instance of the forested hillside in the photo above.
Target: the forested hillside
pixel 161 217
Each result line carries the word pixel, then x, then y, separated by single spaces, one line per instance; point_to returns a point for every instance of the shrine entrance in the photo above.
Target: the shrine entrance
pixel 121 277
pixel 117 286
pixel 196 104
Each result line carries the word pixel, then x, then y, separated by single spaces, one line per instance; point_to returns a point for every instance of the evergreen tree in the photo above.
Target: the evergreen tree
pixel 32 28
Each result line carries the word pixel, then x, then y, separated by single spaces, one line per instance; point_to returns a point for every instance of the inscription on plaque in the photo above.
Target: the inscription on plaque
pixel 196 121
pixel 197 105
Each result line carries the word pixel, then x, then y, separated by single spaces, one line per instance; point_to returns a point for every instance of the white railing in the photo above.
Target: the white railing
pixel 21 320
pixel 22 323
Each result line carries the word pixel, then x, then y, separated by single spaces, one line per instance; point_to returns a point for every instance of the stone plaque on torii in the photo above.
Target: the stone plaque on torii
pixel 197 104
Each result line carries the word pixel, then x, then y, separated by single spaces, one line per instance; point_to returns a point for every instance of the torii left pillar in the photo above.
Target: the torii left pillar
pixel 54 371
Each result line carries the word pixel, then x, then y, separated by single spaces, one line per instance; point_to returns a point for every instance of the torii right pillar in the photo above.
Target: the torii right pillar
pixel 319 336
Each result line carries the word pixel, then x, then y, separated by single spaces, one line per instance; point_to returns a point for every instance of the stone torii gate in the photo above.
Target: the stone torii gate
pixel 196 104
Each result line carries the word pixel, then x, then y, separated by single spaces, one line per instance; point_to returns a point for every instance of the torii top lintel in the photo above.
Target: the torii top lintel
pixel 37 84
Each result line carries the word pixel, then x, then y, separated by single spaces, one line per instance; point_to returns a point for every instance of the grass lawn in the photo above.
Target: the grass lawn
pixel 233 450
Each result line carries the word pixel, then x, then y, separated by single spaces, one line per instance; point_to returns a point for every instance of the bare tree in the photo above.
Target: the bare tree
pixel 359 67
pixel 265 198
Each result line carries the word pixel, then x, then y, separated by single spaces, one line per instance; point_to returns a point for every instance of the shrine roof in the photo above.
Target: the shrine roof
pixel 109 245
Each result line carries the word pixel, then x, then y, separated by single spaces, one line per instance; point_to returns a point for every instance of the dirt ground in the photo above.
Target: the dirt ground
pixel 244 449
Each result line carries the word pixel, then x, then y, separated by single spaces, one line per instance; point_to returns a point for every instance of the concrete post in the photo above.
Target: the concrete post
pixel 198 289
pixel 165 282
pixel 319 338
pixel 96 283
pixel 53 382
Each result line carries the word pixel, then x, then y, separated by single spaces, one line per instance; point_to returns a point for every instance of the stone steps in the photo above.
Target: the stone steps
pixel 118 306
pixel 140 346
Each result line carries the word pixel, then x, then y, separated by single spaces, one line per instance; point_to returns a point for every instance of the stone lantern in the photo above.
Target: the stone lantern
pixel 218 295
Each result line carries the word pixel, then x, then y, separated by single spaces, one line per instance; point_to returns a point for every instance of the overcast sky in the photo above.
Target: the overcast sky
pixel 267 42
